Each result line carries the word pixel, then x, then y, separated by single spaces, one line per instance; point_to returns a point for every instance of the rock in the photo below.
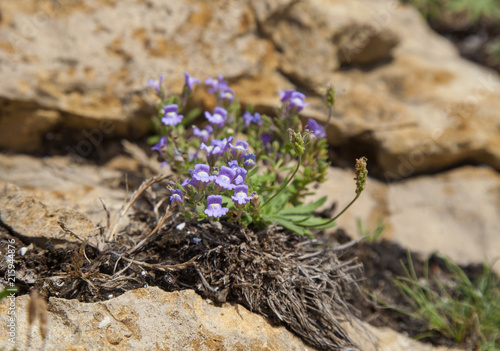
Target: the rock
pixel 151 319
pixel 414 105
pixel 364 44
pixel 60 182
pixel 38 223
pixel 147 319
pixel 454 213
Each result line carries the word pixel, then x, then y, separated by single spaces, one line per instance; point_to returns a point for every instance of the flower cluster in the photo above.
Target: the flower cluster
pixel 217 162
pixel 229 180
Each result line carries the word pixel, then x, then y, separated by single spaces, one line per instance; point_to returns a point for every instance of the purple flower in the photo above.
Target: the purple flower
pixel 156 84
pixel 218 84
pixel 295 100
pixel 213 152
pixel 233 164
pixel 249 118
pixel 190 81
pixel 317 130
pixel 240 175
pixel 266 139
pixel 249 164
pixel 249 161
pixel 176 197
pixel 225 177
pixel 160 145
pixel 203 134
pixel 214 149
pixel 250 157
pixel 224 144
pixel 226 93
pixel 171 118
pixel 201 173
pixel 214 206
pixel 194 182
pixel 239 148
pixel 218 117
pixel 241 195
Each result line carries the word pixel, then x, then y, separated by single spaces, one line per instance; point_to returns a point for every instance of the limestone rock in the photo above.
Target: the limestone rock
pixel 364 44
pixel 60 182
pixel 37 222
pixel 419 107
pixel 151 319
pixel 414 105
pixel 455 213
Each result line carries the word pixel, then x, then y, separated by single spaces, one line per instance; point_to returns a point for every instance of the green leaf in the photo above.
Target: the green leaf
pixel 276 204
pixel 286 224
pixel 191 116
pixel 252 172
pixel 153 139
pixel 7 291
pixel 309 208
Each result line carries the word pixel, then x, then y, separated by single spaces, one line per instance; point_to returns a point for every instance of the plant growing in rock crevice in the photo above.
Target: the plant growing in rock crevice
pixel 235 165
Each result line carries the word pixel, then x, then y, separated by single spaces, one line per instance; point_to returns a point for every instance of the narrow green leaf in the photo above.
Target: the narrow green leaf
pixel 304 209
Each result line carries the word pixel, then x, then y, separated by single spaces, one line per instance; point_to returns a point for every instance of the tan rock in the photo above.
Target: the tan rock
pixel 404 94
pixel 455 213
pixel 38 223
pixel 151 319
pixel 61 183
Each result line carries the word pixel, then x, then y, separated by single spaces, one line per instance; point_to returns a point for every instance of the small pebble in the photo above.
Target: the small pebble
pixel 181 226
pixel 104 323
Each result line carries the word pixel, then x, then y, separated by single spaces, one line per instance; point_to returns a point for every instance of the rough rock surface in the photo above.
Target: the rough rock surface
pixel 37 222
pixel 404 94
pixel 454 213
pixel 59 182
pixel 151 319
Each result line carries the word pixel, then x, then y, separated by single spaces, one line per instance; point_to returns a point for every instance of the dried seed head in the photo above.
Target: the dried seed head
pixel 32 307
pixel 330 96
pixel 37 307
pixel 43 317
pixel 255 201
pixel 361 174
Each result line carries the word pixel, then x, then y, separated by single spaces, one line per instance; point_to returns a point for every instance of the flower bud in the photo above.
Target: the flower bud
pixel 361 174
pixel 296 141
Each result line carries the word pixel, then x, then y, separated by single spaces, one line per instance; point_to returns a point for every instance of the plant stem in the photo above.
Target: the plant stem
pixel 337 216
pixel 286 184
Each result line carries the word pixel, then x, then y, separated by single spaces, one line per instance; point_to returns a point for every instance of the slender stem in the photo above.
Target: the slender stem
pixel 286 184
pixel 337 216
